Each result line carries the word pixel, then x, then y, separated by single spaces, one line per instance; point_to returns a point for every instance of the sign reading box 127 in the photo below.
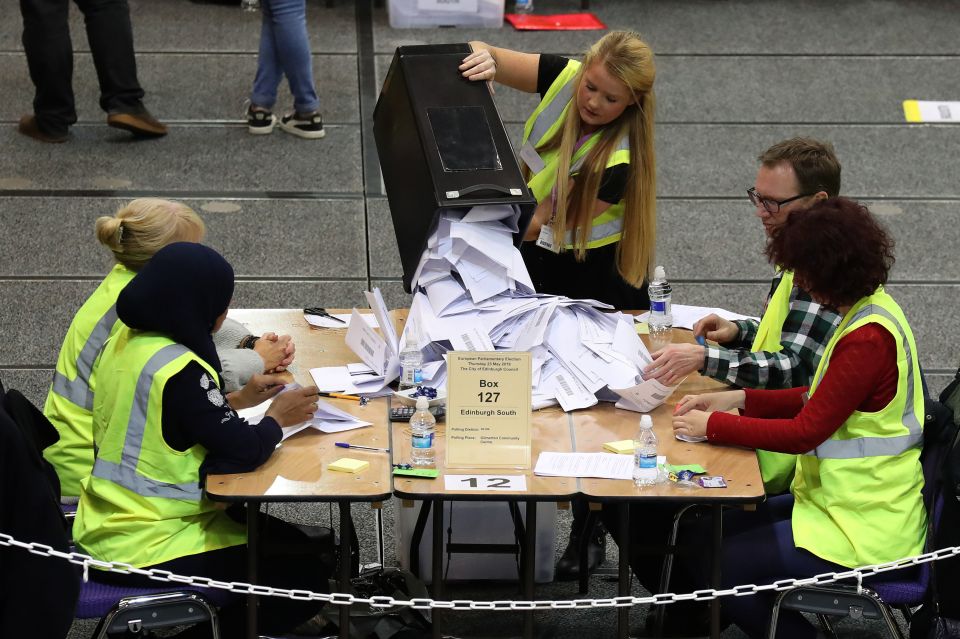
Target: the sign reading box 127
pixel 488 409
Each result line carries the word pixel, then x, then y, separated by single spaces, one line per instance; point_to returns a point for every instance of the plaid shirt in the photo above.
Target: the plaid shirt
pixel 805 334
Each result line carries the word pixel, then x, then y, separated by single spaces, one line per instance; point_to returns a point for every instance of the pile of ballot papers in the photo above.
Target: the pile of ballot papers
pixel 473 293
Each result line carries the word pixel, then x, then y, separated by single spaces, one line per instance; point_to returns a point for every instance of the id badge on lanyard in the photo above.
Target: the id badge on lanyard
pixel 547 238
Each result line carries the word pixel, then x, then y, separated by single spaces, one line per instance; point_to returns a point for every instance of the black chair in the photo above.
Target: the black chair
pixel 904 588
pixel 32 587
pixel 51 589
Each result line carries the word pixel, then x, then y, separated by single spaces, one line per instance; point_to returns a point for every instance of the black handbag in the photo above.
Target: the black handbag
pixel 395 622
pixel 928 623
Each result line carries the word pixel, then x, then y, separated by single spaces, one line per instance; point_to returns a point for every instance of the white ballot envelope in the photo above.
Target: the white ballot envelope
pixel 645 396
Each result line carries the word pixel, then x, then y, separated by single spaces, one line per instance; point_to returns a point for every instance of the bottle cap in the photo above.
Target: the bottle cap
pixel 423 403
pixel 646 421
pixel 659 273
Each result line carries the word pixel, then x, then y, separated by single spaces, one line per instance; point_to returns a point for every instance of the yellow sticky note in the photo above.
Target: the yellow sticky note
pixel 911 110
pixel 348 465
pixel 643 328
pixel 622 447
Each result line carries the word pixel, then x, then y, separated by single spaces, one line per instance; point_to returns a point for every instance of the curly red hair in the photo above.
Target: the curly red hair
pixel 838 251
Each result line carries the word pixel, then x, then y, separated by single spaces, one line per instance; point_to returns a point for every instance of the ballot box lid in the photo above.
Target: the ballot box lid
pixel 441 144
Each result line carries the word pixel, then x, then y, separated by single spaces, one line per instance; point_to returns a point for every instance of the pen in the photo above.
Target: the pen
pixel 340 396
pixel 700 340
pixel 346 445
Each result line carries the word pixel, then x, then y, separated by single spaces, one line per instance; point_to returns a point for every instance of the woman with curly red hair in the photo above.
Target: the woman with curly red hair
pixel 857 428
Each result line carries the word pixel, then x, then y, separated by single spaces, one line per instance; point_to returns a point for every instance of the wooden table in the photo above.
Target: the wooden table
pixel 586 431
pixel 738 467
pixel 297 470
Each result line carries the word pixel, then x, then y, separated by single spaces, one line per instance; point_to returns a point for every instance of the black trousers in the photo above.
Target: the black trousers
pixel 277 615
pixel 650 526
pixel 594 278
pixel 46 41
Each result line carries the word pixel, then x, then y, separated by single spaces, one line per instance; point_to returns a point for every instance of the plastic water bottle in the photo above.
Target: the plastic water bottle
pixel 250 5
pixel 411 367
pixel 422 428
pixel 645 471
pixel 661 316
pixel 523 6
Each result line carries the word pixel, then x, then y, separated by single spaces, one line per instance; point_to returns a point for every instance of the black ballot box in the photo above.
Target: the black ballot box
pixel 442 146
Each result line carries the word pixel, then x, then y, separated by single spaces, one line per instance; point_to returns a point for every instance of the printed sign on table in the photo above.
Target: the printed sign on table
pixel 488 409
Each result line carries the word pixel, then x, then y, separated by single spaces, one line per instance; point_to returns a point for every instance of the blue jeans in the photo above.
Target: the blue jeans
pixel 285 51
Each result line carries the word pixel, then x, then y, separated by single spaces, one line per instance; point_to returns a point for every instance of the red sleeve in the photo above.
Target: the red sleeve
pixel 862 376
pixel 786 402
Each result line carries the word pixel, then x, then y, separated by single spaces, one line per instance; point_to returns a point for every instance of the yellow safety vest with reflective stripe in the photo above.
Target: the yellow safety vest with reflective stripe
pixel 776 468
pixel 545 121
pixel 69 405
pixel 142 503
pixel 858 499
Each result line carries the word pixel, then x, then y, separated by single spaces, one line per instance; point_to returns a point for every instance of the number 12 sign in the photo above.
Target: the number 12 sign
pixel 485 483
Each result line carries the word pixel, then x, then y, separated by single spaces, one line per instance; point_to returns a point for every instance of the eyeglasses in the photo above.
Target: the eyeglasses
pixel 769 205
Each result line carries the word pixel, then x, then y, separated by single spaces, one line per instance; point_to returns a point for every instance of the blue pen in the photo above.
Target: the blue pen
pixel 700 340
pixel 346 445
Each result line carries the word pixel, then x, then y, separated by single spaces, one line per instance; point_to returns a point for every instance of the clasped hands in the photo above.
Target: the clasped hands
pixel 277 352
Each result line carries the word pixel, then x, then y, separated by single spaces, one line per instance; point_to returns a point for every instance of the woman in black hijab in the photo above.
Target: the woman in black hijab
pixel 170 309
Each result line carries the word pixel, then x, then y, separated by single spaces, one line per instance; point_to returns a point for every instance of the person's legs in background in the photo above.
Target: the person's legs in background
pixel 568 567
pixel 49 51
pixel 289 53
pixel 269 74
pixel 650 526
pixel 110 35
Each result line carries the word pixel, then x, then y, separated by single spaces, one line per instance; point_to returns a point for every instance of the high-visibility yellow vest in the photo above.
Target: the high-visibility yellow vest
pixel 69 405
pixel 541 126
pixel 858 499
pixel 142 503
pixel 776 468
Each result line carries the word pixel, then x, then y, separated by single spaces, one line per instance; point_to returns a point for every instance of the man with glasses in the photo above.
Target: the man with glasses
pixel 780 351
pixel 783 349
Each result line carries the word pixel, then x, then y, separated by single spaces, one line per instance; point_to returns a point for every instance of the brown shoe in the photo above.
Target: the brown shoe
pixel 28 126
pixel 141 124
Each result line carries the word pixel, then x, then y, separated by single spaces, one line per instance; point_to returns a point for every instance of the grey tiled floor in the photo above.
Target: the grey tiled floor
pixel 303 224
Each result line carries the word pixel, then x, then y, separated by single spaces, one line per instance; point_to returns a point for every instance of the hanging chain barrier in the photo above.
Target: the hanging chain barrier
pixel 382 601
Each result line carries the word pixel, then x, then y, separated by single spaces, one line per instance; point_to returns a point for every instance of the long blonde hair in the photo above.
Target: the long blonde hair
pixel 629 59
pixel 146 225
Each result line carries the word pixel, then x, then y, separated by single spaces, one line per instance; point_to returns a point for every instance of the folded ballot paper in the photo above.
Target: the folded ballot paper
pixel 327 418
pixel 379 354
pixel 473 293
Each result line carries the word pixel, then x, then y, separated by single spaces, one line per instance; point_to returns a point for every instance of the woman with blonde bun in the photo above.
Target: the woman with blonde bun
pixel 134 234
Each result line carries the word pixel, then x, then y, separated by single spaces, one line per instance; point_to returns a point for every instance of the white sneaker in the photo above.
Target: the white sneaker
pixel 260 122
pixel 309 127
